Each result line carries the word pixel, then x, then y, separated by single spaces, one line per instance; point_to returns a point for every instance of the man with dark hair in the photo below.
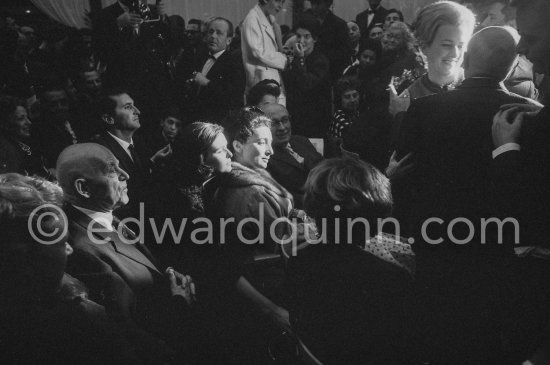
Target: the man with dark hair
pixel 218 83
pixel 120 118
pixel 264 92
pixel 375 14
pixel 333 36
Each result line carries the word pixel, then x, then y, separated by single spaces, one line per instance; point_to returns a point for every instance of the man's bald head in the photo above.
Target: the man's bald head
pixel 83 171
pixel 492 53
pixel 281 129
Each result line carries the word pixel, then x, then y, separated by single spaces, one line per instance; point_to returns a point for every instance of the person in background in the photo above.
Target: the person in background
pixel 308 82
pixel 264 92
pixel 373 16
pixel 263 56
pixel 392 16
pixel 347 90
pixel 376 32
pixel 354 36
pixel 17 150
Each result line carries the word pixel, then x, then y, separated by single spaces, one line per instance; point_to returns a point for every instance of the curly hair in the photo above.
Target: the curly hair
pixel 240 125
pixel 409 41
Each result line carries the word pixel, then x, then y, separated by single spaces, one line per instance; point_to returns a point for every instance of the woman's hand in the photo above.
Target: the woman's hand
pixel 181 285
pixel 298 50
pixel 398 103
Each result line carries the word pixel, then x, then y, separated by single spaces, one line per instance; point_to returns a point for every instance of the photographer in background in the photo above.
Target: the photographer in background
pixel 130 38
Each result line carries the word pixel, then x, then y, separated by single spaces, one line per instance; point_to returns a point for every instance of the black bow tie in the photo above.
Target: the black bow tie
pixel 370 11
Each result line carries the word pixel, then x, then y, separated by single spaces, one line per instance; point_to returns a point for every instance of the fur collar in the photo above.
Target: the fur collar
pixel 241 176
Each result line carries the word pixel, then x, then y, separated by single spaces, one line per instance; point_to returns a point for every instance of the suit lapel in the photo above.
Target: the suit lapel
pixel 125 161
pixel 283 156
pixel 113 241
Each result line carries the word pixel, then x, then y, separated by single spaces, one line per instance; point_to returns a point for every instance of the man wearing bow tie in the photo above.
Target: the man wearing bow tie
pixel 218 83
pixel 368 18
pixel 107 256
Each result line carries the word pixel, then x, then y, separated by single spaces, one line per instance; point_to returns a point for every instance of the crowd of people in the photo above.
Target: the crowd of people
pixel 365 192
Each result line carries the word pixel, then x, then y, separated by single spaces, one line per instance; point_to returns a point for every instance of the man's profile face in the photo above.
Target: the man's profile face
pixel 534 28
pixel 217 39
pixel 126 114
pixel 108 188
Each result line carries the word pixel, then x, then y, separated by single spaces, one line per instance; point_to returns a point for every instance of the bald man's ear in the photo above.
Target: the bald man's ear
pixel 82 188
pixel 108 119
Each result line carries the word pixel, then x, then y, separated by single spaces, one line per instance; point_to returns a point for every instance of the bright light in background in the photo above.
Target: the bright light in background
pixel 27 11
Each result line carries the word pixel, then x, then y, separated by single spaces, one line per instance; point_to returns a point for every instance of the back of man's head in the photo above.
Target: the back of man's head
pixel 81 161
pixel 491 53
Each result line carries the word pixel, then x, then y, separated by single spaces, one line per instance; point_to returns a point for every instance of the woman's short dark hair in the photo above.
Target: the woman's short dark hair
pixel 346 83
pixel 8 106
pixel 310 23
pixel 347 188
pixel 240 125
pixel 261 89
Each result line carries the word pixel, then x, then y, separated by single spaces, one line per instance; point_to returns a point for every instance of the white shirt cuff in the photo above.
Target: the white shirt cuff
pixel 505 148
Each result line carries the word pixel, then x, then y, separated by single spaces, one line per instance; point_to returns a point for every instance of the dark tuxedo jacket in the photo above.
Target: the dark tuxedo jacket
pixel 450 133
pixel 363 17
pixel 288 172
pixel 139 184
pixel 225 90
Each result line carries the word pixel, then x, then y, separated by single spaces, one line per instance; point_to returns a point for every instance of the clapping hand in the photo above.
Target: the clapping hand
pixel 507 124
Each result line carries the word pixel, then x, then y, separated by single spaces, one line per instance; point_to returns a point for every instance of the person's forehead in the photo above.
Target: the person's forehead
pixel 122 99
pixel 192 26
pixel 219 25
pixel 303 31
pixel 261 132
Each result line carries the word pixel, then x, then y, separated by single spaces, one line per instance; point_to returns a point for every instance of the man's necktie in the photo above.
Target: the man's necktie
pixel 293 153
pixel 134 156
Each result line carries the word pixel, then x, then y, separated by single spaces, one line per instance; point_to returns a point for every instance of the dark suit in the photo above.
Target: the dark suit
pixel 139 184
pixel 224 91
pixel 462 284
pixel 362 19
pixel 131 262
pixel 127 276
pixel 308 94
pixel 451 136
pixel 333 42
pixel 286 170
